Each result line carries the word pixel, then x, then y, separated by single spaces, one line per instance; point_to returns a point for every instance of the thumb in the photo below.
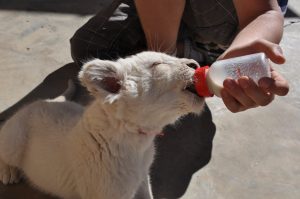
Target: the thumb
pixel 272 50
pixel 275 85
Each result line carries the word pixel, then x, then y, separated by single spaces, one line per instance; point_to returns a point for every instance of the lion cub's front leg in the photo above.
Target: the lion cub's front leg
pixel 8 174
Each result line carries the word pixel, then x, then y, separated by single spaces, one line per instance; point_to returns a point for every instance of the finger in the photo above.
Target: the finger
pixel 272 50
pixel 230 102
pixel 238 93
pixel 276 84
pixel 252 90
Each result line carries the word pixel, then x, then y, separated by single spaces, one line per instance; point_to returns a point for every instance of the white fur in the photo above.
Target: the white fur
pixel 105 150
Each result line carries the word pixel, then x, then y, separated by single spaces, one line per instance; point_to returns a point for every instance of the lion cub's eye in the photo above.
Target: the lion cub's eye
pixel 155 64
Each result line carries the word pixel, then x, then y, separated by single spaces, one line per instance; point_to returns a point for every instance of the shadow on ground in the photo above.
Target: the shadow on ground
pixel 21 191
pixel 290 13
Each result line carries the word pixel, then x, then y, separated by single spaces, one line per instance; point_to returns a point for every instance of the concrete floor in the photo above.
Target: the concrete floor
pixel 256 153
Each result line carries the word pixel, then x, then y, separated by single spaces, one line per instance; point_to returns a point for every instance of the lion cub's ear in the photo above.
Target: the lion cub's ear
pixel 102 77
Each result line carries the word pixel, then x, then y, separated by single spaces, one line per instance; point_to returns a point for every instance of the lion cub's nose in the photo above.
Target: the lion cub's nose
pixel 193 65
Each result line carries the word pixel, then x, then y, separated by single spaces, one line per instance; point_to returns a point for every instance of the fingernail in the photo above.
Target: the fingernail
pixel 278 51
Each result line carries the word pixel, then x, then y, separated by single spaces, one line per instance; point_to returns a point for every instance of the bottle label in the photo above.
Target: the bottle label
pixel 255 69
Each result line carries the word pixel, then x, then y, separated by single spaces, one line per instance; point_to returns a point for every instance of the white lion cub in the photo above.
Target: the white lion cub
pixel 103 151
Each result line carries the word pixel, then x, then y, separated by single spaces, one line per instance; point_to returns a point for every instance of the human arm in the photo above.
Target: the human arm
pixel 261 27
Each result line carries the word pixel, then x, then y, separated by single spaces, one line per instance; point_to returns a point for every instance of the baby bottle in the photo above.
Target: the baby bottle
pixel 209 80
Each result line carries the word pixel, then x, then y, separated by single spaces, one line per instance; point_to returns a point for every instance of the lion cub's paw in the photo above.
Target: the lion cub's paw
pixel 9 175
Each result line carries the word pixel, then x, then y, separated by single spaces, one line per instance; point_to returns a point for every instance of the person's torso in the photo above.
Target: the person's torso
pixel 211 22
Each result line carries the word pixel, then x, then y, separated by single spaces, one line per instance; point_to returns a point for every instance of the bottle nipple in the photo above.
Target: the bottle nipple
pixel 201 86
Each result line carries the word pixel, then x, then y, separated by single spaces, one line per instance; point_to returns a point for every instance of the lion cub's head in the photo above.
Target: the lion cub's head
pixel 149 87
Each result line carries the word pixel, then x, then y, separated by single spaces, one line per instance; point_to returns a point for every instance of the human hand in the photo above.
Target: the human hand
pixel 242 94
